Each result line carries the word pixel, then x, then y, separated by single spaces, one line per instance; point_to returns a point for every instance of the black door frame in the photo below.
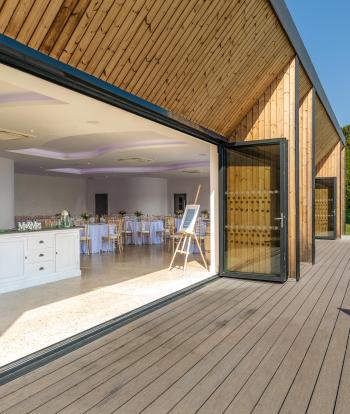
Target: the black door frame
pixel 334 179
pixel 283 143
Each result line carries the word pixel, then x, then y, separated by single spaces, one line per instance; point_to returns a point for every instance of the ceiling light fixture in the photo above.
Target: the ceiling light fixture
pixel 134 160
pixel 191 171
pixel 8 135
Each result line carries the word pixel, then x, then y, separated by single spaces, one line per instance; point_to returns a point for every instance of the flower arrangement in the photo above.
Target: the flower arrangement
pixel 85 216
pixel 179 213
pixel 205 214
pixel 138 214
pixel 122 213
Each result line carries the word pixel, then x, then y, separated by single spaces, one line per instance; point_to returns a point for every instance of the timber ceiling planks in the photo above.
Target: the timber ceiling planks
pixel 304 83
pixel 326 135
pixel 208 61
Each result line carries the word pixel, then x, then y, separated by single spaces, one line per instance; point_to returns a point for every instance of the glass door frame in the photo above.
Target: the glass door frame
pixel 283 143
pixel 334 180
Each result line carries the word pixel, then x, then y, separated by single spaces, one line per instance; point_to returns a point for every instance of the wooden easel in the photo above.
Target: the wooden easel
pixel 184 244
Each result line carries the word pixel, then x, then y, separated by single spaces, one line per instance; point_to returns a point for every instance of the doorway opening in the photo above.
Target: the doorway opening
pixel 180 202
pixel 101 204
pixel 325 208
pixel 101 161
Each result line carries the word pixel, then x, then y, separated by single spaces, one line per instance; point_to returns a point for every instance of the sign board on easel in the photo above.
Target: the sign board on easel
pixel 188 233
pixel 189 218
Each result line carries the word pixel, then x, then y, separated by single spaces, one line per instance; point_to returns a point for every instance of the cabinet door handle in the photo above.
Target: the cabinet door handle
pixel 41 241
pixel 41 268
pixel 41 255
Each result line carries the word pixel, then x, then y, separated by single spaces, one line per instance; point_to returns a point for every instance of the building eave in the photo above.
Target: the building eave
pixel 286 20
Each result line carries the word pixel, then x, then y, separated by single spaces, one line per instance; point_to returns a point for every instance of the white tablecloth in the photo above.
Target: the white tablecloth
pixel 157 226
pixel 97 231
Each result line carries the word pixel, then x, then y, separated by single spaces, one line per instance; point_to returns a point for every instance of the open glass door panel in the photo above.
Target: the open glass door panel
pixel 256 210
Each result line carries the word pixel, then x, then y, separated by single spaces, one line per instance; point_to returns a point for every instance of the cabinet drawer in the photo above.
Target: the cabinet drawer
pixel 37 269
pixel 41 241
pixel 41 255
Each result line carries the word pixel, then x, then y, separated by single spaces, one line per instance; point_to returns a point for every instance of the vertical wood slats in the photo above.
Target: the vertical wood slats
pixel 273 116
pixel 305 171
pixel 207 61
pixel 331 166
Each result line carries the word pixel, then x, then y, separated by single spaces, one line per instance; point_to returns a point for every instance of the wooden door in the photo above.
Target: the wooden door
pixel 255 216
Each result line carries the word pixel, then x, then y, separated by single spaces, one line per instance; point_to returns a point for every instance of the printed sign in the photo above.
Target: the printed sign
pixel 29 226
pixel 189 218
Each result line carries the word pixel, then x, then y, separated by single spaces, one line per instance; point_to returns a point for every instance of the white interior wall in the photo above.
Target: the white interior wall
pixel 189 186
pixel 46 195
pixel 41 195
pixel 145 194
pixel 6 193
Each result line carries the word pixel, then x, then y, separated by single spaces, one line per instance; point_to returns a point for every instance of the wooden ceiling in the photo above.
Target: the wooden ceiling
pixel 326 135
pixel 208 61
pixel 304 83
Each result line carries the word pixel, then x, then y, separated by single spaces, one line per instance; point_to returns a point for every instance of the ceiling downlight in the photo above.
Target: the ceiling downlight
pixel 9 135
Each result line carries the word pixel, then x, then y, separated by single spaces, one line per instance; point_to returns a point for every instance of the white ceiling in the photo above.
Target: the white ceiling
pixel 88 137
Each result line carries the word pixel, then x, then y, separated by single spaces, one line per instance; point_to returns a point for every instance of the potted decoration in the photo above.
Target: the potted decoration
pixel 138 214
pixel 122 213
pixel 85 216
pixel 65 219
pixel 205 214
pixel 179 213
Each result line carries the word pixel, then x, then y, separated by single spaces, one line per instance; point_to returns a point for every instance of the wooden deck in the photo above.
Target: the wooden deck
pixel 233 346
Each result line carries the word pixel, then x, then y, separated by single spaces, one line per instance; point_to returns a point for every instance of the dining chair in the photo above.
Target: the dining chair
pixel 174 236
pixel 168 222
pixel 198 231
pixel 145 230
pixel 114 236
pixel 86 239
pixel 126 232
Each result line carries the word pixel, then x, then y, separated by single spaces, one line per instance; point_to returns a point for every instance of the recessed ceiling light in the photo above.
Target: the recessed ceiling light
pixel 191 171
pixel 7 135
pixel 134 160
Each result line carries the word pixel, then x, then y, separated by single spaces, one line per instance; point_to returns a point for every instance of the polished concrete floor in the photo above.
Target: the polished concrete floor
pixel 111 285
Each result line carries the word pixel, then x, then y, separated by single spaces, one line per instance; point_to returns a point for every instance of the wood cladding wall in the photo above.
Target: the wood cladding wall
pixel 343 189
pixel 207 61
pixel 330 166
pixel 306 162
pixel 274 116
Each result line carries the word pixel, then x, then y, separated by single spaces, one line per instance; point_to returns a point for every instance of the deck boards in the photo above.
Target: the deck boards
pixel 234 346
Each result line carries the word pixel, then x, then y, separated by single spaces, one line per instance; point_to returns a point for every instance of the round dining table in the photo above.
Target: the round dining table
pixel 97 231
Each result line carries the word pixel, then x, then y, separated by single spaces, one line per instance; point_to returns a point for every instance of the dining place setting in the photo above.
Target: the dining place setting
pixel 110 234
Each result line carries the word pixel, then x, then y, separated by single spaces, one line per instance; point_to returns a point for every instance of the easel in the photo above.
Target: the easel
pixel 184 244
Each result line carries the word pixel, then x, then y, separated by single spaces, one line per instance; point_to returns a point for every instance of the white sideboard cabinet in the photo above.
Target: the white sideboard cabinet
pixel 34 258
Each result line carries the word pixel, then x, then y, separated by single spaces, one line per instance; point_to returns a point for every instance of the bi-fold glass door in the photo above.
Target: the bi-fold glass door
pixel 255 226
pixel 325 208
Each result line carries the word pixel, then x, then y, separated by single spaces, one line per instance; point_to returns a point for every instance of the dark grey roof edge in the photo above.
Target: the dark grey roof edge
pixel 285 18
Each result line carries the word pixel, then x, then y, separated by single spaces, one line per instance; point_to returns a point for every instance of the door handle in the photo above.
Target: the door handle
pixel 281 219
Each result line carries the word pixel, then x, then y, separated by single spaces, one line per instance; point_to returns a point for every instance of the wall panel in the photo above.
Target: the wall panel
pixel 306 129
